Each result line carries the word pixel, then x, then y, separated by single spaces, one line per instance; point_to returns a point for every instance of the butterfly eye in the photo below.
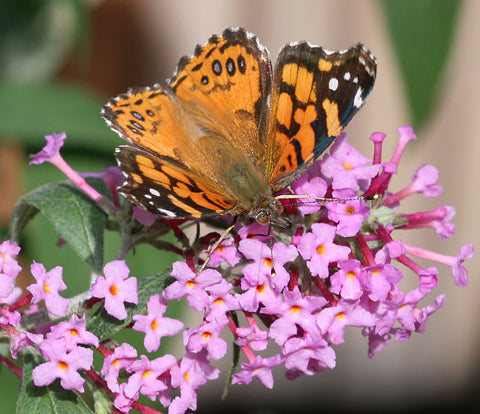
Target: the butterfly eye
pixel 262 217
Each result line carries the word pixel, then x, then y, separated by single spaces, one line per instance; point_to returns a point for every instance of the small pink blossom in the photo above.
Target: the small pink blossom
pixel 47 287
pixel 62 364
pixel 116 287
pixel 154 324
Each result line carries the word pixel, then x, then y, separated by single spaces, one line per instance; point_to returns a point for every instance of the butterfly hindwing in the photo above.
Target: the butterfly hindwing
pixel 315 94
pixel 165 187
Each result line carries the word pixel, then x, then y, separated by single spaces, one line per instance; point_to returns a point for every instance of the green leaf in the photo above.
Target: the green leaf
pixel 73 215
pixel 31 111
pixel 101 324
pixel 422 32
pixel 46 400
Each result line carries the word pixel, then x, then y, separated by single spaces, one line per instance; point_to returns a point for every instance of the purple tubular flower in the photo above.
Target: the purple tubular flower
pixel 73 332
pixel 190 284
pixel 145 378
pixel 317 247
pixel 261 368
pixel 51 151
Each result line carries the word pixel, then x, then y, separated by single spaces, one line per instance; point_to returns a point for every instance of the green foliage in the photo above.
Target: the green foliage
pixel 75 217
pixel 32 110
pixel 422 33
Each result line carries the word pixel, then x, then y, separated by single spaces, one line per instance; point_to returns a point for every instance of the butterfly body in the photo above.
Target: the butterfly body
pixel 228 132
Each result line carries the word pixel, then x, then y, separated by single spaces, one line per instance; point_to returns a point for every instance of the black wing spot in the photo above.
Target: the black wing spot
pixel 137 115
pixel 217 67
pixel 134 130
pixel 242 65
pixel 231 67
pixel 137 125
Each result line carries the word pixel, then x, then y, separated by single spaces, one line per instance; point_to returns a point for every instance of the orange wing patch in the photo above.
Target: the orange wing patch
pixel 230 80
pixel 333 121
pixel 147 118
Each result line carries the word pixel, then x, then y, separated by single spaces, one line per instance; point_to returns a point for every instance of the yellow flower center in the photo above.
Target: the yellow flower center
pixel 62 365
pixel 321 249
pixel 350 210
pixel 295 309
pixel 146 373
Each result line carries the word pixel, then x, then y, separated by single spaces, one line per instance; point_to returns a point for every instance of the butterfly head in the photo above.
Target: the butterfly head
pixel 269 212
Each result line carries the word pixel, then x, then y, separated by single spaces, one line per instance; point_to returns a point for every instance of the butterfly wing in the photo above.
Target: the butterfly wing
pixel 165 187
pixel 315 94
pixel 226 85
pixel 166 171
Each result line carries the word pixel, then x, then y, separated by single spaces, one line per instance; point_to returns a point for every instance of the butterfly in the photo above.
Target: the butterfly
pixel 228 132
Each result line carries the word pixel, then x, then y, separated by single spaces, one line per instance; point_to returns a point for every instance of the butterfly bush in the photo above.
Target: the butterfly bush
pixel 288 293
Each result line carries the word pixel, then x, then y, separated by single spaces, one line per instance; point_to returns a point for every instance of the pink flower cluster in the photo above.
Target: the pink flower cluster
pixel 291 291
pixel 339 264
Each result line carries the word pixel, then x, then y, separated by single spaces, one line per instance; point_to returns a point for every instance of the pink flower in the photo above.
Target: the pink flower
pixel 122 357
pixel 261 368
pixel 116 287
pixel 47 287
pixel 145 376
pixel 190 284
pixel 154 324
pixel 51 151
pixel 62 364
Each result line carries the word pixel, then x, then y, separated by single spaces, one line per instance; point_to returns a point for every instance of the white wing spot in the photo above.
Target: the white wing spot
pixel 346 76
pixel 154 192
pixel 166 212
pixel 358 100
pixel 333 84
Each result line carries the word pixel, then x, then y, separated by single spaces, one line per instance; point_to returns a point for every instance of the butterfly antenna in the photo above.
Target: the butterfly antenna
pixel 222 237
pixel 324 199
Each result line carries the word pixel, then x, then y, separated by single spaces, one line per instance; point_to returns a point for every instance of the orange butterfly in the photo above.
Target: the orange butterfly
pixel 228 133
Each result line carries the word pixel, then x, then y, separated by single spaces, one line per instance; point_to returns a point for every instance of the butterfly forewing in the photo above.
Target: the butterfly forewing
pixel 315 94
pixel 226 85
